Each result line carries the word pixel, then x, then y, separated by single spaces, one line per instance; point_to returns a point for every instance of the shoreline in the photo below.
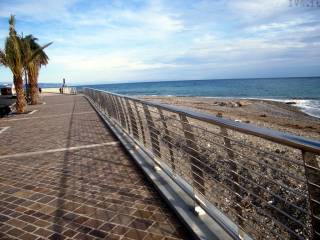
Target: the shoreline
pixel 278 115
pixel 296 102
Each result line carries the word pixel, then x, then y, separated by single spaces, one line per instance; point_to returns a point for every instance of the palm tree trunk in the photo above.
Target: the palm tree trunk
pixel 34 90
pixel 21 101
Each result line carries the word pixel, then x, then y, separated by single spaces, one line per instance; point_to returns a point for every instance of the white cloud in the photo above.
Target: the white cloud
pixel 37 10
pixel 97 63
pixel 166 39
pixel 257 9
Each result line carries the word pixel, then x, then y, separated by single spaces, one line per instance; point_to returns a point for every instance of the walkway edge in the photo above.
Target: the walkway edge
pixel 201 226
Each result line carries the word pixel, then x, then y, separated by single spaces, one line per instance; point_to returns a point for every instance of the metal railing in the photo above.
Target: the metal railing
pixel 69 90
pixel 64 90
pixel 266 182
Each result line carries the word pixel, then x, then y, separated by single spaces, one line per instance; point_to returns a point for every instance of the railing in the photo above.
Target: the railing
pixel 266 182
pixel 64 90
pixel 69 90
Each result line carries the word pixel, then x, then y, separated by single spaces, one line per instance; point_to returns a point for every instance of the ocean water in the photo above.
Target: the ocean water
pixel 304 91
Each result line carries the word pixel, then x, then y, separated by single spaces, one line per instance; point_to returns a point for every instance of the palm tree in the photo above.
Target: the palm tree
pixel 12 56
pixel 32 67
pixel 16 57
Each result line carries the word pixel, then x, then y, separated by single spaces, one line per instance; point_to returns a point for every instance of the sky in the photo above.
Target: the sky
pixel 110 41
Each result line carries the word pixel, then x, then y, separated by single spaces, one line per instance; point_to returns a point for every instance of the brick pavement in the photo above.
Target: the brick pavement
pixel 91 191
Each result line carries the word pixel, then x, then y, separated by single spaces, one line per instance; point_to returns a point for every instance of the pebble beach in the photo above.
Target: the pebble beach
pixel 264 113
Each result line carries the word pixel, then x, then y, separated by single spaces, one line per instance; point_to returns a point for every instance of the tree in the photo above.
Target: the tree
pixel 33 66
pixel 17 57
pixel 12 56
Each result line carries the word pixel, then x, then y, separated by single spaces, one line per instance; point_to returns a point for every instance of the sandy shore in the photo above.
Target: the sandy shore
pixel 264 113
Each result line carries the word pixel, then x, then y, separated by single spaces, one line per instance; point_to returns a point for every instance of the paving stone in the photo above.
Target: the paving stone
pixel 20 209
pixel 80 219
pixel 15 232
pixel 84 229
pixel 122 219
pixel 135 234
pixel 29 228
pixel 143 214
pixel 120 230
pixel 3 218
pixel 28 236
pixel 43 232
pixel 107 227
pixel 56 236
pixel 45 199
pixel 69 233
pixel 97 233
pixel 104 214
pixel 158 217
pixel 93 223
pixel 82 236
pixel 17 223
pixel 41 223
pixel 141 224
pixel 112 236
pixel 152 236
pixel 27 219
pixel 88 193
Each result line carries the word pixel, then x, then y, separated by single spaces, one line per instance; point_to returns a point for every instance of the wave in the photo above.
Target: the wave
pixel 308 106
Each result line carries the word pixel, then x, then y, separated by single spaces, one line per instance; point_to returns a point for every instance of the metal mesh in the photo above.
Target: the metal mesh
pixel 268 188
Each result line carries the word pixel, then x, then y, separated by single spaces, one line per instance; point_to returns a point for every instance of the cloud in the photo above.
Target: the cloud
pixel 168 39
pixel 37 10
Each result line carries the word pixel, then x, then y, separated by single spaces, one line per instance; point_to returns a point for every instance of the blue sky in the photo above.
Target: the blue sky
pixel 126 41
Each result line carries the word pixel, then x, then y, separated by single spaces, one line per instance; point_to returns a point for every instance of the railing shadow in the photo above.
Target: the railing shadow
pixel 57 221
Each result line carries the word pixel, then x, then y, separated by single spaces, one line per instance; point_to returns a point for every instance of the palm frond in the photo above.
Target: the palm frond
pixel 38 51
pixel 12 23
pixel 3 58
pixel 14 54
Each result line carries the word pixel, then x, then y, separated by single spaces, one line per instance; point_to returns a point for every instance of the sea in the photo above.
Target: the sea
pixel 304 91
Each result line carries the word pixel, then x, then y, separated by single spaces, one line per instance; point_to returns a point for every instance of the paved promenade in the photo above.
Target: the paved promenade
pixel 63 175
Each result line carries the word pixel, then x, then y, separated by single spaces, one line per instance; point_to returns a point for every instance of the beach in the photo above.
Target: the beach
pixel 282 116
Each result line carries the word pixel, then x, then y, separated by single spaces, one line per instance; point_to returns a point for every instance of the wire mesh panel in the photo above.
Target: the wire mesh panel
pixel 266 182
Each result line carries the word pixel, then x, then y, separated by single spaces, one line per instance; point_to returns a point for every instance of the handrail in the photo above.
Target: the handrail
pixel 243 176
pixel 69 90
pixel 267 133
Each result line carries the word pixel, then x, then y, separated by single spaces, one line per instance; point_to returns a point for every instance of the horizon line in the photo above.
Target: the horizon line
pixel 208 79
pixel 153 81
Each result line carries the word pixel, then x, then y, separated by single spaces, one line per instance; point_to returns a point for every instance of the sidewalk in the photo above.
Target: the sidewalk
pixel 63 175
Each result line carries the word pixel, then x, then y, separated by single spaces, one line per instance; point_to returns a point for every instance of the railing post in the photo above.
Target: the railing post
pixel 168 138
pixel 108 105
pixel 132 120
pixel 140 123
pixel 154 133
pixel 312 171
pixel 104 104
pixel 115 108
pixel 126 118
pixel 194 156
pixel 120 112
pixel 234 177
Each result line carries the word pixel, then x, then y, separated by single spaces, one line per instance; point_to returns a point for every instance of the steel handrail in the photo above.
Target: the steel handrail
pixel 266 133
